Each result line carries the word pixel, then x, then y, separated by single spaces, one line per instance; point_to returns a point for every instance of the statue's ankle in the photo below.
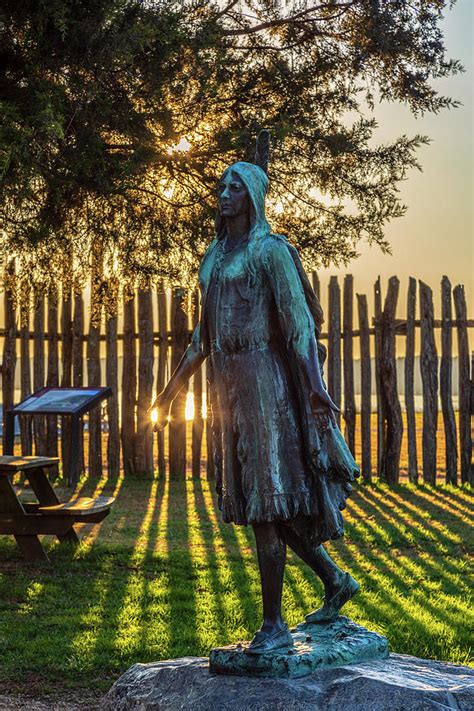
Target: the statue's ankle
pixel 272 626
pixel 332 586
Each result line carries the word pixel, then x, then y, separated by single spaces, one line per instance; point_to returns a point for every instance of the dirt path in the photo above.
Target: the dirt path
pixel 86 701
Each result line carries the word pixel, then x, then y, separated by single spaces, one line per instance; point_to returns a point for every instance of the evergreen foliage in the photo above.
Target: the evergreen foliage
pixel 118 116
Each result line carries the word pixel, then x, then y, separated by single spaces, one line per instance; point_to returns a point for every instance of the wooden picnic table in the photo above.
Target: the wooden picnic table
pixel 26 521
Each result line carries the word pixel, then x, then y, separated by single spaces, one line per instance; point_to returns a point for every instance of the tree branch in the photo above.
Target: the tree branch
pixel 298 17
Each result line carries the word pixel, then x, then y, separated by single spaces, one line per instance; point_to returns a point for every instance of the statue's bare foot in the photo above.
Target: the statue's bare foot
pixel 268 641
pixel 330 609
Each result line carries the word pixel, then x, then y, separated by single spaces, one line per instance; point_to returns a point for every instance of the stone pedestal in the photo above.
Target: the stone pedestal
pixel 397 683
pixel 315 647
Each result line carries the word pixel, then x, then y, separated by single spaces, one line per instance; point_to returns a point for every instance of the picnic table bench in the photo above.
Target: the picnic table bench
pixel 26 521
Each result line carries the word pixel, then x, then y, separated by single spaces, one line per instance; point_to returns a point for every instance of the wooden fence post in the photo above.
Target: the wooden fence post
pixel 9 343
pixel 365 387
pixel 446 383
pixel 144 435
pixel 39 421
pixel 198 423
pixel 316 285
pixel 334 343
pixel 52 378
pixel 129 385
pixel 111 375
pixel 472 407
pixel 210 468
pixel 386 325
pixel 162 369
pixel 349 397
pixel 25 420
pixel 94 381
pixel 429 377
pixel 177 425
pixel 378 381
pixel 410 382
pixel 78 371
pixel 465 443
pixel 388 372
pixel 66 365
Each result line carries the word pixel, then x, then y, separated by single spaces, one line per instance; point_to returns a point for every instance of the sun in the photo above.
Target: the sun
pixel 183 146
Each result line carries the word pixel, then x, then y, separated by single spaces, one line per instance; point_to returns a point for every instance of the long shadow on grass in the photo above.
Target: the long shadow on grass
pixel 446 497
pixel 238 562
pixel 426 569
pixel 184 638
pixel 423 530
pixel 121 601
pixel 419 567
pixel 371 610
pixel 73 616
pixel 437 506
pixel 213 564
pixel 416 631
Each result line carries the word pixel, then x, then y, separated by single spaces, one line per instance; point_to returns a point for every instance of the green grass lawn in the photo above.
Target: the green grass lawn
pixel 163 577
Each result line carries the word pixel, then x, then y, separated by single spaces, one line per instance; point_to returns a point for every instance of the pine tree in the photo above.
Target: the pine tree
pixel 118 116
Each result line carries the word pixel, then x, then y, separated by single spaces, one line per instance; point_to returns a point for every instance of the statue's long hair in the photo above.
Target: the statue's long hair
pixel 254 177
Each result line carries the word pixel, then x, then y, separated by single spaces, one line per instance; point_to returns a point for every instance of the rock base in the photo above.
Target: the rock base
pixel 315 647
pixel 398 683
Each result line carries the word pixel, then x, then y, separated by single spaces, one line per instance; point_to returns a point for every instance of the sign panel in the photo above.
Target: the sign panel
pixel 61 401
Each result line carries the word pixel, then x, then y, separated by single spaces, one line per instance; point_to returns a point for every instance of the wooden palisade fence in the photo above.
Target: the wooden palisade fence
pixel 155 334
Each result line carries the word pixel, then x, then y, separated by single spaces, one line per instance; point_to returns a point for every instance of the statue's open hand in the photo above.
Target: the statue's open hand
pixel 161 405
pixel 324 408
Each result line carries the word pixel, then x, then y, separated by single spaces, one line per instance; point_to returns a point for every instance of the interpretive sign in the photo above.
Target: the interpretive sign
pixel 74 402
pixel 61 401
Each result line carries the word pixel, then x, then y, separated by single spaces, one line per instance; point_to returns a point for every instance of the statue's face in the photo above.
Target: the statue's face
pixel 232 195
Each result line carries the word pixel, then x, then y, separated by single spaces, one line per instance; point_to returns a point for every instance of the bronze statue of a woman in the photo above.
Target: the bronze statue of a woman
pixel 281 462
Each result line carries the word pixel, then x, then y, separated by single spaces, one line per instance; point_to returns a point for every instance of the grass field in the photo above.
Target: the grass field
pixel 163 577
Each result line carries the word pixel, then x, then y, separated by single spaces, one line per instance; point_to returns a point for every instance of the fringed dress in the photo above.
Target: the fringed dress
pixel 272 461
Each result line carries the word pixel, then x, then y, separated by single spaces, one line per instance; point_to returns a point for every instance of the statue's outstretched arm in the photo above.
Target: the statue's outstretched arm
pixel 191 360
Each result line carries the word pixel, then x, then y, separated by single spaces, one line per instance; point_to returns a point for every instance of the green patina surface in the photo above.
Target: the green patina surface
pixel 315 647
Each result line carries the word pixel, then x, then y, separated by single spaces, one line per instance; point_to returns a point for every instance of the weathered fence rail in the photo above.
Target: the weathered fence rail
pixel 155 330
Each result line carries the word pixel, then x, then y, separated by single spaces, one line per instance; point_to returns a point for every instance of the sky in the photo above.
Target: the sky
pixel 436 235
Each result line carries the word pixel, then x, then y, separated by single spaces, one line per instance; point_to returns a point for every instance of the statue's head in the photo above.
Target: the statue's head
pixel 242 188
